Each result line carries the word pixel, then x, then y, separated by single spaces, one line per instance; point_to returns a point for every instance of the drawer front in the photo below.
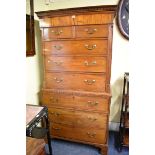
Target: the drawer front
pixel 84 82
pixel 87 135
pixel 77 118
pixel 102 18
pixel 56 21
pixel 99 103
pixel 73 63
pixel 93 19
pixel 76 47
pixel 92 31
pixel 57 32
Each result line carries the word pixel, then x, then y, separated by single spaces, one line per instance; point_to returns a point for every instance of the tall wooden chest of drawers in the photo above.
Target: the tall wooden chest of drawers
pixel 77 51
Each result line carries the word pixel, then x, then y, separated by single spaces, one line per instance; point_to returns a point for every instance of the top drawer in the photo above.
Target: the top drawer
pixel 91 31
pixel 57 32
pixel 56 21
pixel 104 18
pixel 80 19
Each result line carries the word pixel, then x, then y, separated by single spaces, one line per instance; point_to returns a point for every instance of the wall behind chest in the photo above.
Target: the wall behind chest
pixel 120 53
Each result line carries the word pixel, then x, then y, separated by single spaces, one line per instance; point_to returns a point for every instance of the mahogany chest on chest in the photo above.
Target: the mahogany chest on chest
pixel 77 51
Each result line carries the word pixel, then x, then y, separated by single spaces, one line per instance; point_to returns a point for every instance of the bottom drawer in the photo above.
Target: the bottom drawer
pixel 82 134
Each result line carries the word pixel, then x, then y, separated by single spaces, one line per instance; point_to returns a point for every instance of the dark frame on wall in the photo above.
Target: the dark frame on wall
pixel 122 23
pixel 30 34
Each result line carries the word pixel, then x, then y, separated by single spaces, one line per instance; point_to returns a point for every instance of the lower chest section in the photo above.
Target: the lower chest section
pixel 79 117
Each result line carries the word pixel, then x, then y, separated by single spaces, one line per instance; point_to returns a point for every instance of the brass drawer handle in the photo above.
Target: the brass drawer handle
pixel 90 63
pixel 90 30
pixel 91 135
pixel 53 100
pixel 58 47
pixel 55 113
pixel 90 103
pixel 90 47
pixel 92 118
pixel 78 122
pixel 58 80
pixel 58 32
pixel 56 128
pixel 89 82
pixel 58 63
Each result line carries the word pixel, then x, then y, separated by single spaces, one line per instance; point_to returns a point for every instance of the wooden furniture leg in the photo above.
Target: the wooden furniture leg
pixel 104 151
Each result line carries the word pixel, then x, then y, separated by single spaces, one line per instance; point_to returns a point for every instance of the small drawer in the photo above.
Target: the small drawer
pixel 73 63
pixel 57 33
pixel 82 102
pixel 56 21
pixel 84 82
pixel 92 19
pixel 77 47
pixel 91 31
pixel 83 134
